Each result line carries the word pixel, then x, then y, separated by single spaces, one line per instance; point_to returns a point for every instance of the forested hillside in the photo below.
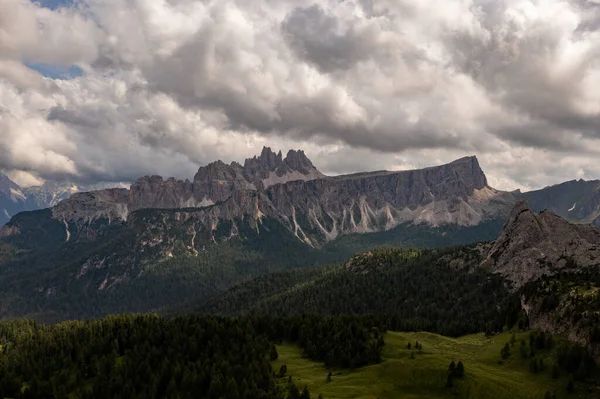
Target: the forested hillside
pixel 189 357
pixel 113 275
pixel 441 291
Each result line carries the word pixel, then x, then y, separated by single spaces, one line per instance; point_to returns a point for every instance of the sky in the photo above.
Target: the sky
pixel 110 90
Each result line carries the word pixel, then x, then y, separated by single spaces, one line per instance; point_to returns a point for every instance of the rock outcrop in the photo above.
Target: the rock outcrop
pixel 535 244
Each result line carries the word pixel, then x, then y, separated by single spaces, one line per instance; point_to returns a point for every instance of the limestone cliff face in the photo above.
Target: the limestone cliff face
pixel 456 193
pixel 535 244
pixel 313 207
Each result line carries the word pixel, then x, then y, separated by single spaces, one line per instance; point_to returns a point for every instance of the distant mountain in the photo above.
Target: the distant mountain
pixel 51 193
pixel 12 199
pixel 312 207
pixel 576 200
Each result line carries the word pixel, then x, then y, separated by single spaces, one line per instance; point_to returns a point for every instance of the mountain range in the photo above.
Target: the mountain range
pixel 164 243
pixel 313 207
pixel 15 199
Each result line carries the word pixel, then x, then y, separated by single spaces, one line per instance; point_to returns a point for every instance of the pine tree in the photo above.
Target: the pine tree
pixel 452 368
pixel 524 351
pixel 305 393
pixel 505 352
pixel 460 369
pixel 274 355
pixel 283 370
pixel 294 392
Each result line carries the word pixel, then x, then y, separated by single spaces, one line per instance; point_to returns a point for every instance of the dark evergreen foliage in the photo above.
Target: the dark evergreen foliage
pixel 151 357
pixel 408 293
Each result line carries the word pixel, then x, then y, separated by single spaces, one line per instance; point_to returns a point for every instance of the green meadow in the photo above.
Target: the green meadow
pixel 399 376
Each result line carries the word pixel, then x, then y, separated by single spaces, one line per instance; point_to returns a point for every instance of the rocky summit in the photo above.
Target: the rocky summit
pixel 313 207
pixel 533 244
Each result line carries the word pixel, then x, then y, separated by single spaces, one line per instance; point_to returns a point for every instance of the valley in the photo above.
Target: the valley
pixel 341 273
pixel 322 199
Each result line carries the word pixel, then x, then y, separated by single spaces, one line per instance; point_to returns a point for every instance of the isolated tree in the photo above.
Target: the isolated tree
pixel 274 355
pixel 283 370
pixel 305 393
pixel 294 392
pixel 524 351
pixel 460 369
pixel 505 352
pixel 452 368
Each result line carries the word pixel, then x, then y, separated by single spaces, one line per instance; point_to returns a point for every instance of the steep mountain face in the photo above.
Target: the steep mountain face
pixel 314 211
pixel 12 199
pixel 535 244
pixel 576 200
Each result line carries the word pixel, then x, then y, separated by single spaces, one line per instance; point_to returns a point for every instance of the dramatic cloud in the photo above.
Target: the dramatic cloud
pixel 168 85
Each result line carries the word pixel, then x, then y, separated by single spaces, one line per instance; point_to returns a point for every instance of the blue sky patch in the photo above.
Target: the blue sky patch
pixel 56 71
pixel 54 4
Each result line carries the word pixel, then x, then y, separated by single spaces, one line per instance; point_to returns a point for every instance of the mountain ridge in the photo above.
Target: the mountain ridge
pixel 316 209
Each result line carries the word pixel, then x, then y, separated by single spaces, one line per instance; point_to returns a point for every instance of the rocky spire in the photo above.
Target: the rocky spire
pixel 298 161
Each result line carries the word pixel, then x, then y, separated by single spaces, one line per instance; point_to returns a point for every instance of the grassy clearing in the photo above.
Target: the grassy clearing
pixel 399 376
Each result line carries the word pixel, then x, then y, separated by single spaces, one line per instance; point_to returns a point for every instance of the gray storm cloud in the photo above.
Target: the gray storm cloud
pixel 171 85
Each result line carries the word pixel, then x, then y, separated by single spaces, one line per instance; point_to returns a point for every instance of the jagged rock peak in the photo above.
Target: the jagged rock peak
pixel 6 184
pixel 297 160
pixel 535 244
pixel 269 159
